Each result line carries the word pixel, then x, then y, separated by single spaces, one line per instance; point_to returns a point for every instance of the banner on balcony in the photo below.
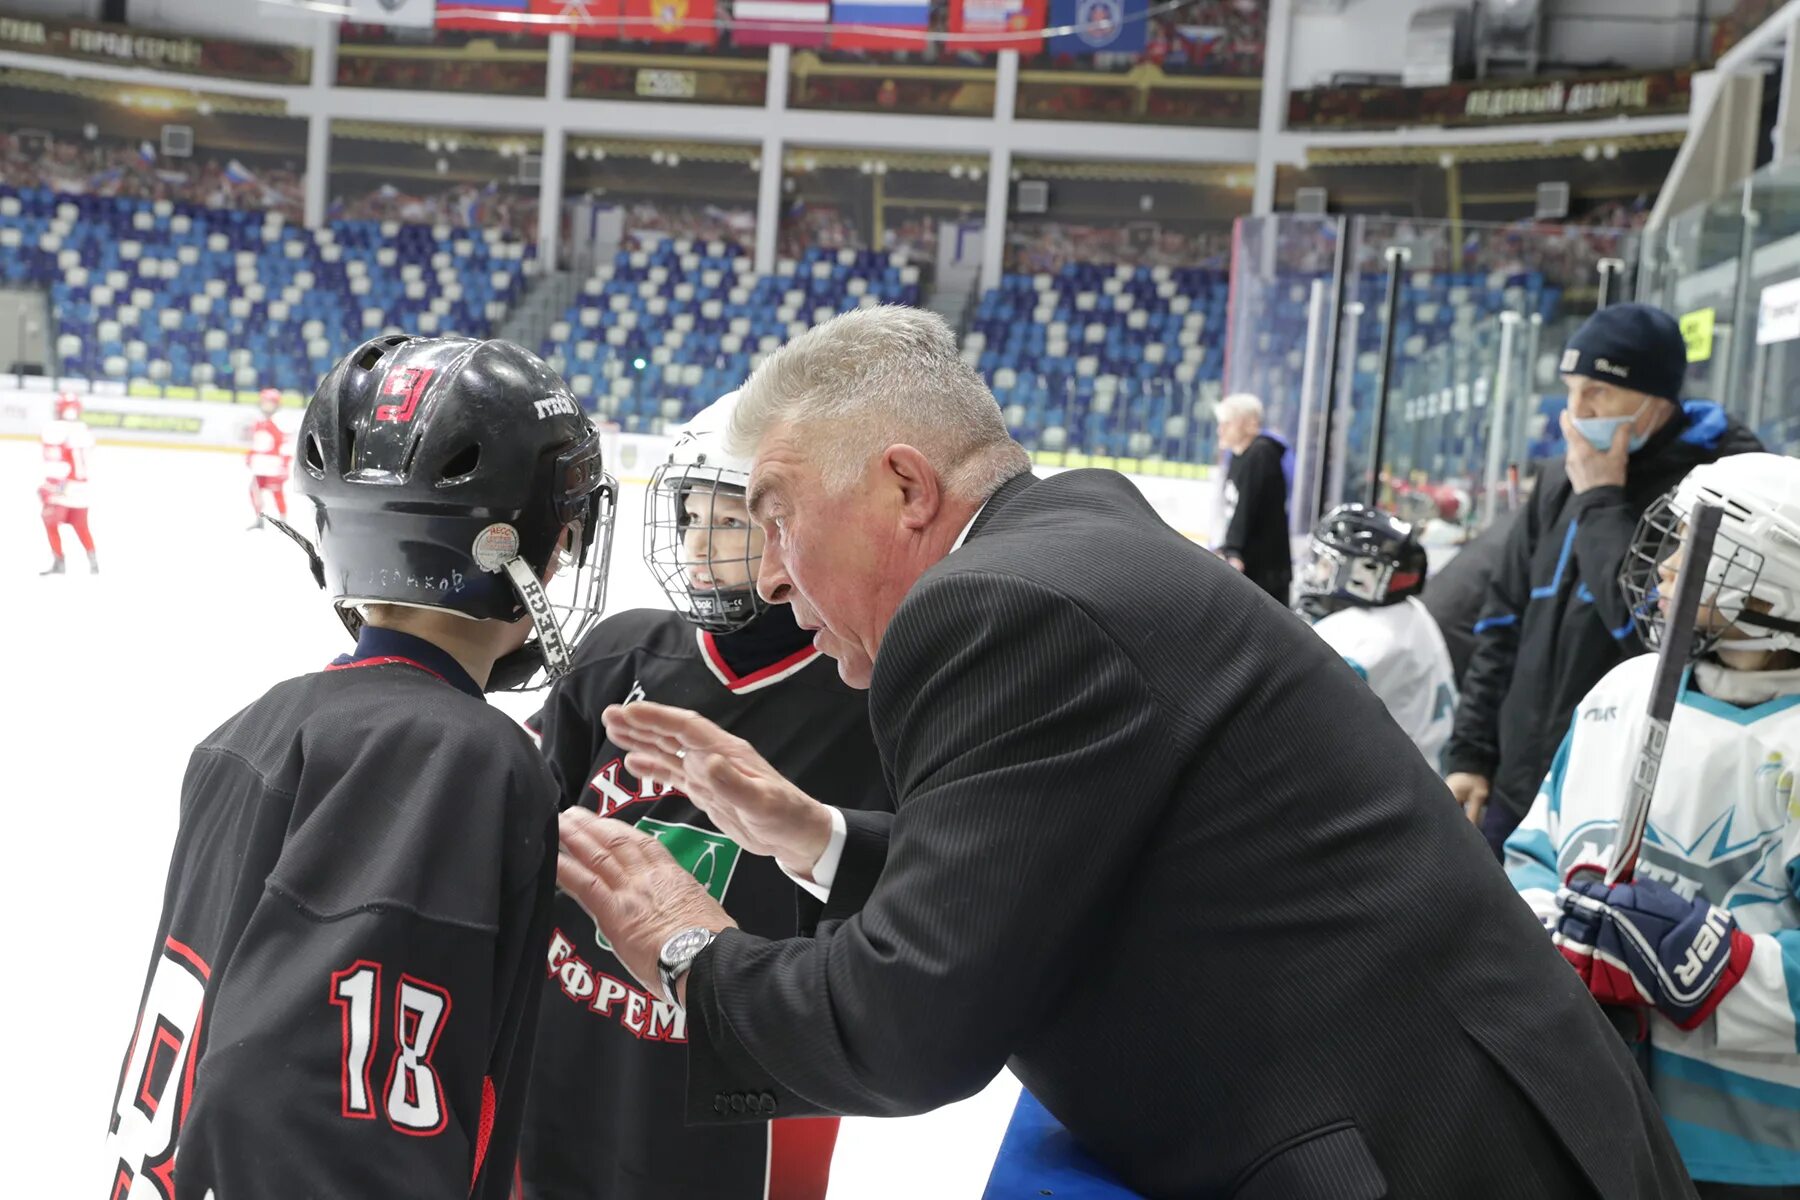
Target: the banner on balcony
pixel 1005 20
pixel 417 14
pixel 490 16
pixel 583 18
pixel 1099 26
pixel 1575 97
pixel 671 21
pixel 879 24
pixel 96 42
pixel 766 22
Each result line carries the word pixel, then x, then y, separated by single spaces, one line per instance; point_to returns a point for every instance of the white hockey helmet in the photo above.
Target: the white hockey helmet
pixel 718 591
pixel 1756 556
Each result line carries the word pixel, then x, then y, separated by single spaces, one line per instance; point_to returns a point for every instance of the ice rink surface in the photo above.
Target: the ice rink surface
pixel 110 681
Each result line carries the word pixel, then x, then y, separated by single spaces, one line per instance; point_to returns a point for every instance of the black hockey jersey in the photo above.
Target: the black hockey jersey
pixel 345 981
pixel 606 1114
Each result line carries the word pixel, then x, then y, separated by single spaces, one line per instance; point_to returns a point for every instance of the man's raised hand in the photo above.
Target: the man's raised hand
pixel 746 798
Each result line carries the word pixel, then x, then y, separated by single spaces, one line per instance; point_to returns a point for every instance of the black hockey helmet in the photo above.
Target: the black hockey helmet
pixel 443 471
pixel 1360 556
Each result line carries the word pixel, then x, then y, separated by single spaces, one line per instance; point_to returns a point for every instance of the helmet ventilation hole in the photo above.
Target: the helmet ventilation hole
pixel 315 454
pixel 461 465
pixel 371 356
pixel 349 449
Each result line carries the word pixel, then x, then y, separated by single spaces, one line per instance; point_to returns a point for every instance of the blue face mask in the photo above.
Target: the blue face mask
pixel 1599 431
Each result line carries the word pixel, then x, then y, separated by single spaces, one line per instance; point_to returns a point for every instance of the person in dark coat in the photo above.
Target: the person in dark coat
pixel 1455 594
pixel 1555 620
pixel 1156 848
pixel 1256 497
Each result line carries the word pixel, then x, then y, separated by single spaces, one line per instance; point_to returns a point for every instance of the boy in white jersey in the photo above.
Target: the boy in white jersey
pixel 1705 941
pixel 1361 588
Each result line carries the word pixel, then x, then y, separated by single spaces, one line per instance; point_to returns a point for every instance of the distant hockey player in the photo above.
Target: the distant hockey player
pixel 606 1118
pixel 1361 587
pixel 269 459
pixel 344 986
pixel 1705 941
pixel 64 493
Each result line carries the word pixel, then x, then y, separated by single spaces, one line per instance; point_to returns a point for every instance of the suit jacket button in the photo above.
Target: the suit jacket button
pixel 720 1104
pixel 768 1104
pixel 737 1102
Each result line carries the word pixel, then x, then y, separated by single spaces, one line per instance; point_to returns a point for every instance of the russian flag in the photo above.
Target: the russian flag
pixel 489 16
pixel 879 24
pixel 766 22
pixel 237 173
pixel 147 154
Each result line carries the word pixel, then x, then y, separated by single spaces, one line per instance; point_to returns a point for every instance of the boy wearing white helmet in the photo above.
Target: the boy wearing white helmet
pixel 606 1114
pixel 1705 942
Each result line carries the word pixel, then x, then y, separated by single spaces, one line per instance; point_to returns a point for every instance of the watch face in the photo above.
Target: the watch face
pixel 685 944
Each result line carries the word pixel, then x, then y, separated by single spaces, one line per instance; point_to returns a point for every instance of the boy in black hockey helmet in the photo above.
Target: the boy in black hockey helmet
pixel 1360 586
pixel 344 986
pixel 608 1093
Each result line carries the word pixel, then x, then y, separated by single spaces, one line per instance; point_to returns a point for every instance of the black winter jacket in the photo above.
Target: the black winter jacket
pixel 1555 620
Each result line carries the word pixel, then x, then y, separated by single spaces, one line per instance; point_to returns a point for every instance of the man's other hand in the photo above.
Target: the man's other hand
pixel 1471 791
pixel 749 800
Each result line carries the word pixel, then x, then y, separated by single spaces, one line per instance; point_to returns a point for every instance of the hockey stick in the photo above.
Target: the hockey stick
pixel 1671 663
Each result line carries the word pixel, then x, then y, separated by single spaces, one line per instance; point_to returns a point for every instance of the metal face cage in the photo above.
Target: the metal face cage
pixel 704 559
pixel 1731 578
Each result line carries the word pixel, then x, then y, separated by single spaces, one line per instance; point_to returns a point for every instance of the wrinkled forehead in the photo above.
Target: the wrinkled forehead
pixel 778 471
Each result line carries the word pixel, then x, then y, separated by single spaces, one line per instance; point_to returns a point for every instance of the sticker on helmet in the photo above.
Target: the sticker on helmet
pixel 495 546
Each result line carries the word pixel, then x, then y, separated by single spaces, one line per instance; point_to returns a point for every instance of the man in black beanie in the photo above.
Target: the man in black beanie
pixel 1554 621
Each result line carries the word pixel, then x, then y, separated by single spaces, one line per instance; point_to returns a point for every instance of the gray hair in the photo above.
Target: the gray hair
pixel 1239 404
pixel 873 377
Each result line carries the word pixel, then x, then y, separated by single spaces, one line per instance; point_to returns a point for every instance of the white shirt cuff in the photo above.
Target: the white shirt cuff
pixel 825 870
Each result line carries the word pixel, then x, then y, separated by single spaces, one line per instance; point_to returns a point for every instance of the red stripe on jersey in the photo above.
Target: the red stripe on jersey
pixel 192 958
pixel 800 1157
pixel 485 1129
pixel 737 682
pixel 383 661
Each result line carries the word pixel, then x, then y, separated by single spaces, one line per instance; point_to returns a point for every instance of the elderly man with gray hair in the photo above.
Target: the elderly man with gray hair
pixel 1156 847
pixel 1255 517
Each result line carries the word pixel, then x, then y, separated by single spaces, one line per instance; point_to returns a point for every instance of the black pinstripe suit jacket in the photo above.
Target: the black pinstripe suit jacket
pixel 1162 853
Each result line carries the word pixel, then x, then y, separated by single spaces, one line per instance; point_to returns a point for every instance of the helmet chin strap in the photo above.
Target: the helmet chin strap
pixel 550 646
pixel 1785 634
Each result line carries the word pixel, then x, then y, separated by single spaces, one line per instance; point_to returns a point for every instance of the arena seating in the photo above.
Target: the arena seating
pixel 1107 360
pixel 656 335
pixel 182 295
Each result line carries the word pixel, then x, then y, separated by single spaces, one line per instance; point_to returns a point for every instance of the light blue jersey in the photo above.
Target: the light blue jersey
pixel 1724 825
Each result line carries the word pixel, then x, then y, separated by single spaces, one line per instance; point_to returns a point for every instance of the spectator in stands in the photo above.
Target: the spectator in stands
pixel 1256 496
pixel 1554 621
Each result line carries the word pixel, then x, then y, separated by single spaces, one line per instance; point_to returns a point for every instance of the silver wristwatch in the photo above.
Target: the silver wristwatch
pixel 677 955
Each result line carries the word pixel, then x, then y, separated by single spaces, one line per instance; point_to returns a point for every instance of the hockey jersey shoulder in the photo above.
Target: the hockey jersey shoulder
pixel 405 792
pixel 636 631
pixel 1363 637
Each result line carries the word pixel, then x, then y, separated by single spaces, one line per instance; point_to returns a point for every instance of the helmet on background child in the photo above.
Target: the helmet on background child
pixel 452 473
pixel 704 559
pixel 1360 556
pixel 1753 578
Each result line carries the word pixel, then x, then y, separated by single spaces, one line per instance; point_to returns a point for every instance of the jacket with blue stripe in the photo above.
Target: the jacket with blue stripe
pixel 1555 621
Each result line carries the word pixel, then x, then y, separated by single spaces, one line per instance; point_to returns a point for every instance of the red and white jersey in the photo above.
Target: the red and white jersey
pixel 66 447
pixel 268 457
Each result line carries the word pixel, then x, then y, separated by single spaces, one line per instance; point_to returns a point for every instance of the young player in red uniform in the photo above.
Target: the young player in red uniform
pixel 269 458
pixel 64 492
pixel 344 986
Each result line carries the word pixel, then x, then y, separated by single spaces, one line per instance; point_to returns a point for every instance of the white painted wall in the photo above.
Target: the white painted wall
pixel 248 20
pixel 1370 35
pixel 69 10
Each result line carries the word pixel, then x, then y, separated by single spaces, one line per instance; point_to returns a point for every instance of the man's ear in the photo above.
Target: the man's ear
pixel 916 480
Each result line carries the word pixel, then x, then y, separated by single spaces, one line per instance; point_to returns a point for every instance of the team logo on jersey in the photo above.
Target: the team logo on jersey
pixel 709 856
pixel 635 694
pixel 1597 712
